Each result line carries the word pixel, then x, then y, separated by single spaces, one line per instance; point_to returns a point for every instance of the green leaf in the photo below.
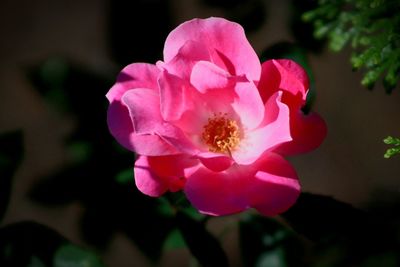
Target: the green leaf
pixel 125 176
pixel 203 246
pixel 11 153
pixel 72 256
pixel 174 240
pixel 396 146
pixel 392 141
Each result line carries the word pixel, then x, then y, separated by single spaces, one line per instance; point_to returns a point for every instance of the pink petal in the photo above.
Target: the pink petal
pixel 269 81
pixel 155 175
pixel 177 138
pixel 120 124
pixel 275 132
pixel 138 75
pixel 294 78
pixel 225 40
pixel 308 132
pixel 286 75
pixel 270 185
pixel 144 109
pixel 275 187
pixel 207 76
pixel 188 55
pixel 248 104
pixel 192 121
pixel 151 145
pixel 218 193
pixel 121 127
pixel 173 100
pixel 146 180
pixel 214 161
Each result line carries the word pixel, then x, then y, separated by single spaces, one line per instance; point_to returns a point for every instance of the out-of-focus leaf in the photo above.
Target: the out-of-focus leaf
pixel 272 258
pixel 11 153
pixel 178 200
pixel 203 246
pixel 265 242
pixel 125 176
pixel 79 90
pixel 388 259
pixel 36 262
pixel 174 240
pixel 164 207
pixel 194 213
pixel 73 256
pixel 298 54
pixel 49 77
pixel 80 151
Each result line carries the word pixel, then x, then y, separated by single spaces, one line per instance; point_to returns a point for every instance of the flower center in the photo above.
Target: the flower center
pixel 221 134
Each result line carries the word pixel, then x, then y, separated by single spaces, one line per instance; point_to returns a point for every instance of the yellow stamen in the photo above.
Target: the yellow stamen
pixel 221 134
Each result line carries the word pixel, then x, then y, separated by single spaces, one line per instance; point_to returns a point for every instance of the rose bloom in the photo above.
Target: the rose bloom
pixel 212 121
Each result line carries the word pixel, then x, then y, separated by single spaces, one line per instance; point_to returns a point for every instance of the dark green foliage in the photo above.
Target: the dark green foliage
pixel 11 153
pixel 70 255
pixel 372 27
pixel 395 149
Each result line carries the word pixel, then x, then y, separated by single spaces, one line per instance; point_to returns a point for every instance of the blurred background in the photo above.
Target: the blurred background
pixel 58 60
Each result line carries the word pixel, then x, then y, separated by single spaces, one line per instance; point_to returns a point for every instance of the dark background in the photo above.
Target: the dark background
pixel 105 35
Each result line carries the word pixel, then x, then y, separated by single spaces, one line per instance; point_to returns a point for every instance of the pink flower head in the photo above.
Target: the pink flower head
pixel 212 121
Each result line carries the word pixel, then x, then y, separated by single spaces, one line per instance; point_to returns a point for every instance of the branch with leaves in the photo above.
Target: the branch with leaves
pixel 372 27
pixel 395 149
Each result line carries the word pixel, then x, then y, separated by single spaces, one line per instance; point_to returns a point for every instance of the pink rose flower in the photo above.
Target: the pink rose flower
pixel 212 121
